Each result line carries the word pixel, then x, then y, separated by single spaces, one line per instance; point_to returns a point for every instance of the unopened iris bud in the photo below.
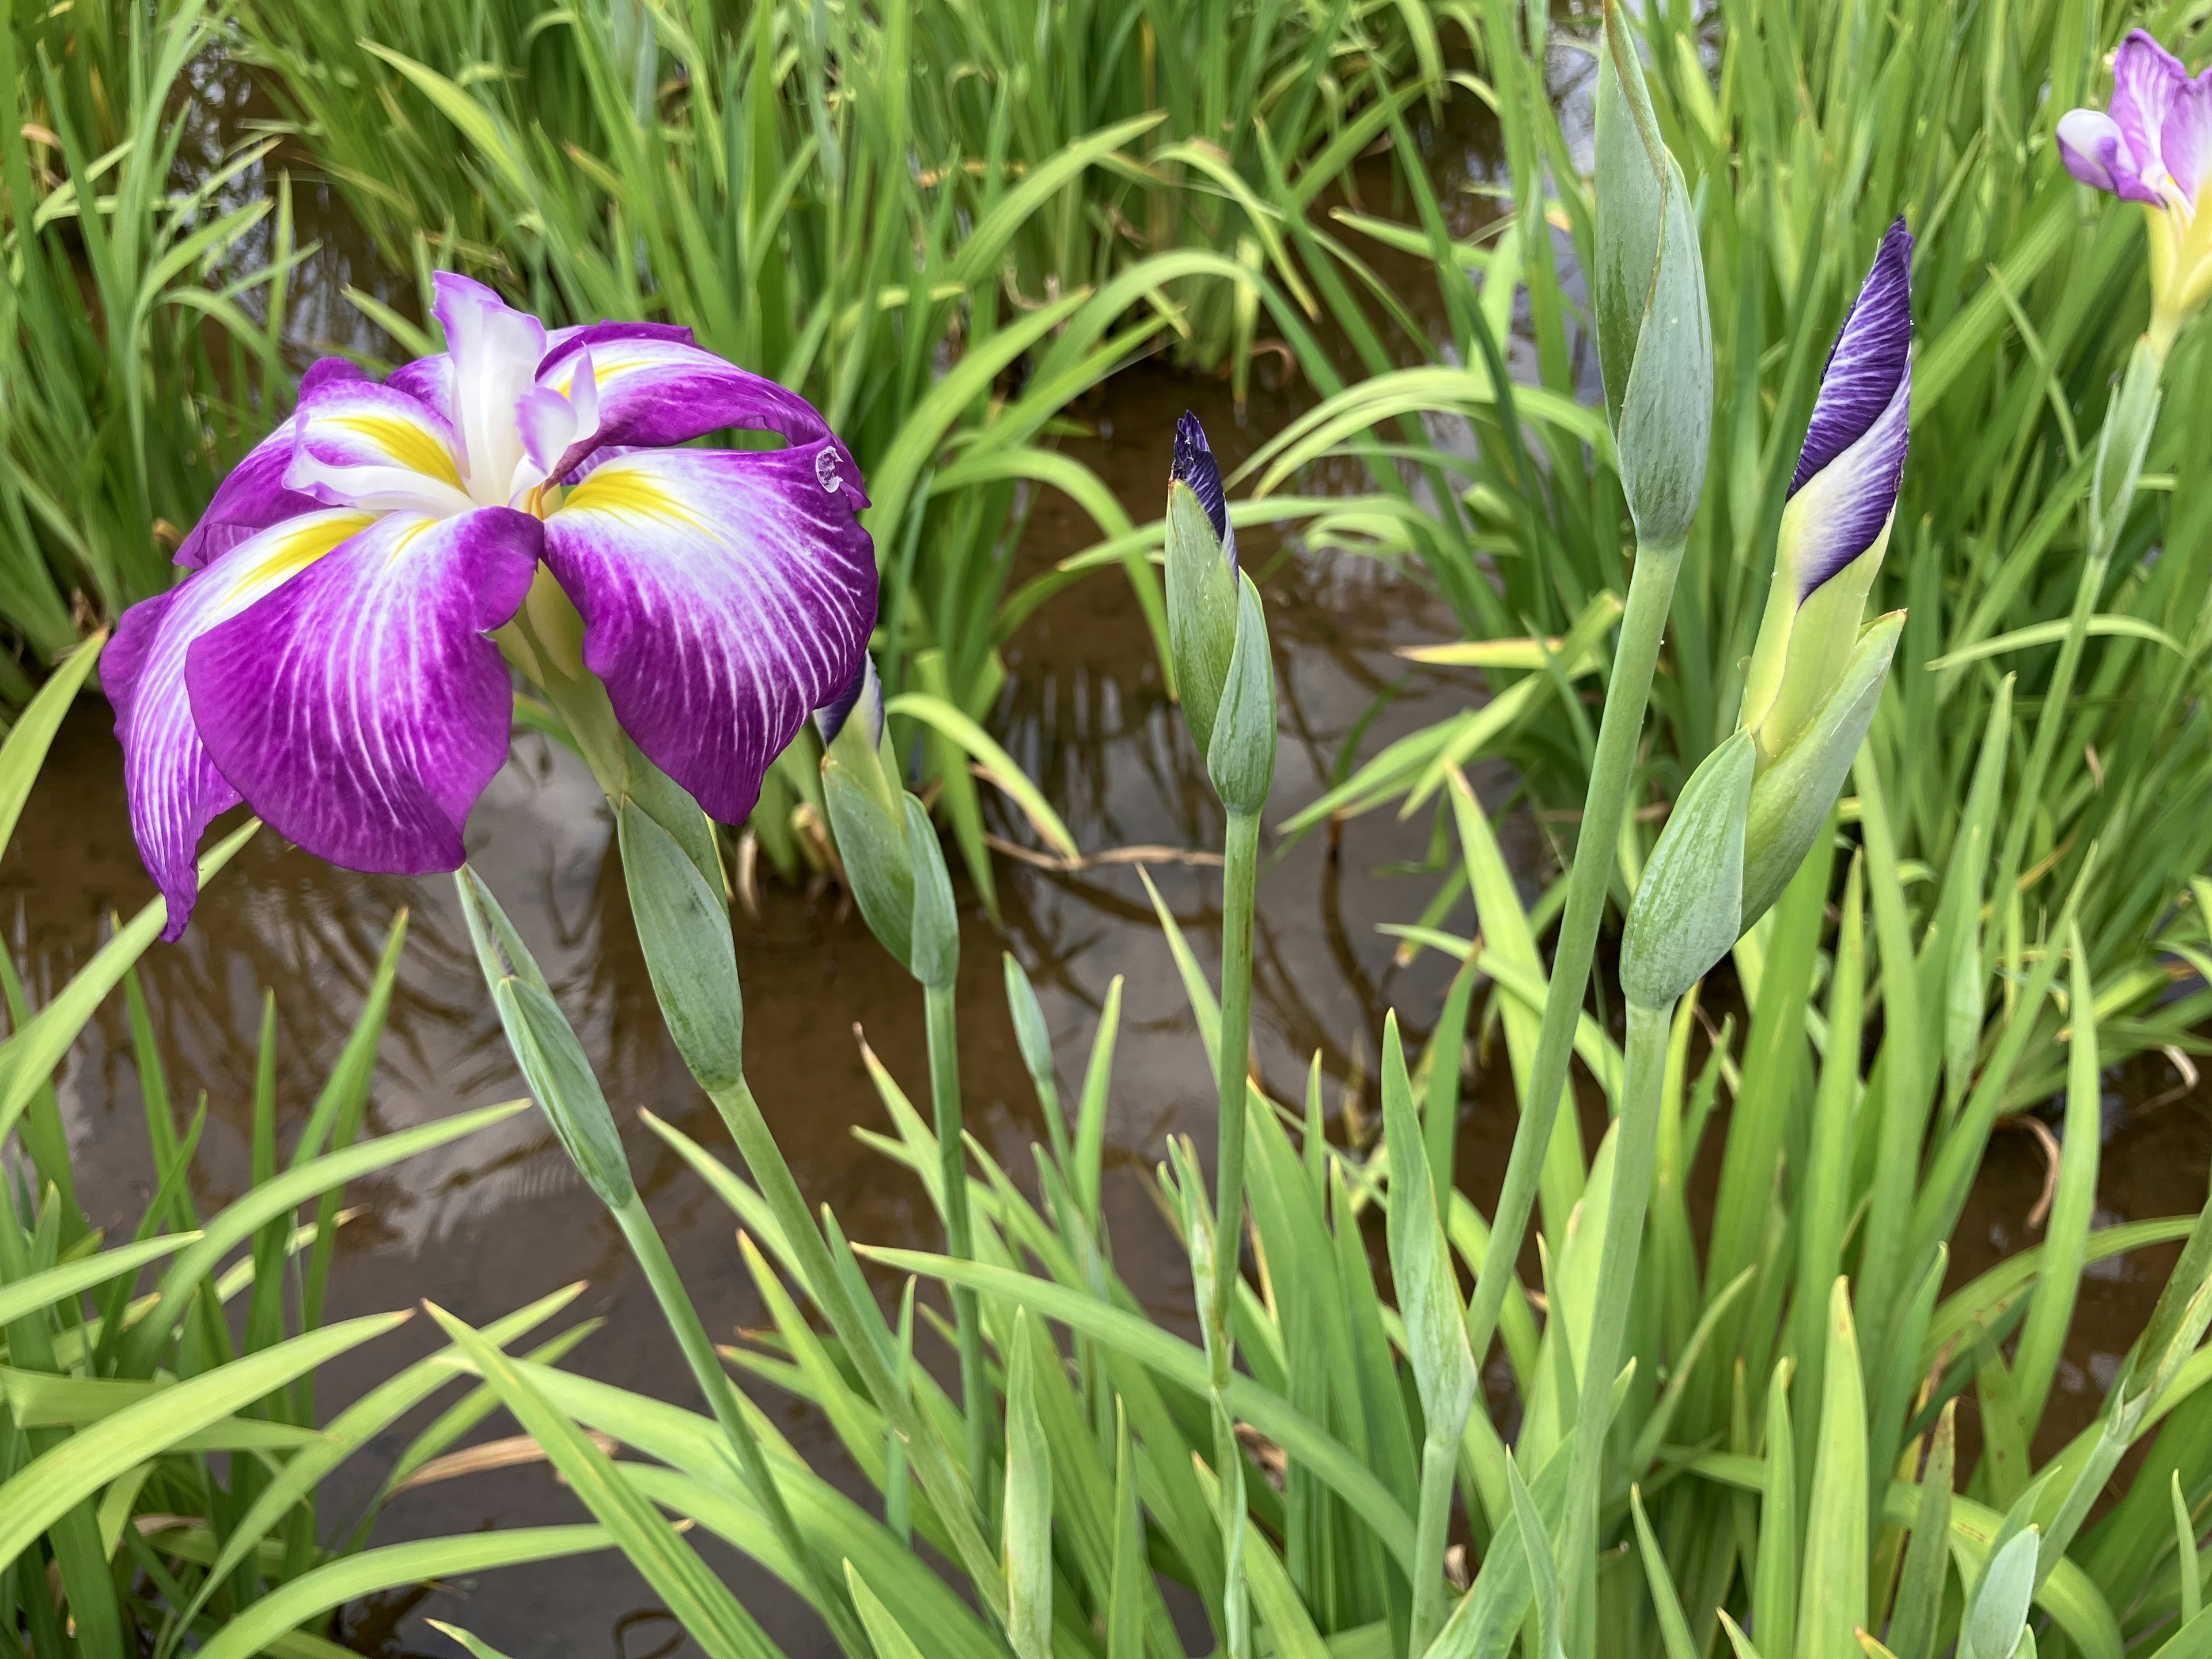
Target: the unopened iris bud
pixel 1654 336
pixel 868 815
pixel 1835 527
pixel 1201 570
pixel 1218 629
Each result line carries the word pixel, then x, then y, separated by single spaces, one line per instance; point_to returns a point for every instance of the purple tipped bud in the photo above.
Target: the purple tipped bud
pixel 1195 467
pixel 1861 420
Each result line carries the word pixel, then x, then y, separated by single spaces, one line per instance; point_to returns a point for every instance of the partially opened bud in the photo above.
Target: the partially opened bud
pixel 867 817
pixel 1843 496
pixel 1655 338
pixel 1241 759
pixel 1203 585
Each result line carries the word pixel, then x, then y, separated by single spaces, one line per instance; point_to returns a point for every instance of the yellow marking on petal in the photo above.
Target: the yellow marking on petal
pixel 605 369
pixel 630 490
pixel 295 549
pixel 410 445
pixel 405 539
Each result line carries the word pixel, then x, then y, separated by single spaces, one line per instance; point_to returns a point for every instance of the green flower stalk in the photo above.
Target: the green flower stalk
pixel 894 867
pixel 1224 669
pixel 1655 347
pixel 1748 815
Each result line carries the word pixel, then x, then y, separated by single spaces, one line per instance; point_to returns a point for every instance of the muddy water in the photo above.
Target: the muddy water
pixel 483 1225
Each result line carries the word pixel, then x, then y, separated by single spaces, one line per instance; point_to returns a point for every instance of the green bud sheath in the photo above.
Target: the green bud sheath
pixel 1655 336
pixel 1202 610
pixel 936 957
pixel 1790 800
pixel 872 842
pixel 1240 757
pixel 684 928
pixel 1688 909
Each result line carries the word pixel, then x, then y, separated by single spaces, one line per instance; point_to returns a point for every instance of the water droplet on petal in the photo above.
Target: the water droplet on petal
pixel 825 469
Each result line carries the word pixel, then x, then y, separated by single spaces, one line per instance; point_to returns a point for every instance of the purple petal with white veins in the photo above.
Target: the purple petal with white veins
pixel 2145 78
pixel 427 381
pixel 1843 507
pixel 496 351
pixel 1871 359
pixel 1194 465
pixel 175 787
pixel 364 445
pixel 253 496
pixel 361 709
pixel 725 596
pixel 2186 139
pixel 657 391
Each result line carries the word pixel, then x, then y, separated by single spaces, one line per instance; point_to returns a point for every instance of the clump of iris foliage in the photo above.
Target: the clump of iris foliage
pixel 1753 1448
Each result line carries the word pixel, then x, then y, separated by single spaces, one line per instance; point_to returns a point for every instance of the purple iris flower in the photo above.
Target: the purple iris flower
pixel 2155 146
pixel 329 660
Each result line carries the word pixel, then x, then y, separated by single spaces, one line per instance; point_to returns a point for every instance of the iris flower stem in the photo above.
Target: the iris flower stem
pixel 959 1228
pixel 865 1341
pixel 1644 1074
pixel 1432 1536
pixel 683 1316
pixel 1240 879
pixel 2124 443
pixel 1643 623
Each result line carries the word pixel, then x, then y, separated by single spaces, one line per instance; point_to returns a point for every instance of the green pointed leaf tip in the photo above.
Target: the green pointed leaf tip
pixel 1203 609
pixel 1241 758
pixel 2001 1605
pixel 1654 335
pixel 1688 909
pixel 1792 796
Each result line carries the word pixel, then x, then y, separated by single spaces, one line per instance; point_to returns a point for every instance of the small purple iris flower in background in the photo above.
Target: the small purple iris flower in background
pixel 2155 146
pixel 329 663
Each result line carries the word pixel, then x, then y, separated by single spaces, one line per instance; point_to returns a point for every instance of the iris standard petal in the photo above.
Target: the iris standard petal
pixel 254 496
pixel 495 351
pixel 1843 507
pixel 364 445
pixel 658 391
pixel 2146 78
pixel 1871 358
pixel 360 708
pixel 725 596
pixel 2185 142
pixel 1194 465
pixel 175 790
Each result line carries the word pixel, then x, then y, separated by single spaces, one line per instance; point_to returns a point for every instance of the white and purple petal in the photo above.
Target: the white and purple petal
pixel 361 709
pixel 1194 465
pixel 2185 142
pixel 2146 78
pixel 496 351
pixel 175 787
pixel 360 444
pixel 2094 151
pixel 253 495
pixel 1843 508
pixel 655 390
pixel 1872 358
pixel 725 596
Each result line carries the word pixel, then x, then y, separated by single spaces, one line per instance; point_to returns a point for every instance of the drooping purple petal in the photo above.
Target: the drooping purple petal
pixel 175 787
pixel 1872 358
pixel 725 595
pixel 252 495
pixel 360 444
pixel 496 351
pixel 2095 152
pixel 654 391
pixel 361 709
pixel 1194 465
